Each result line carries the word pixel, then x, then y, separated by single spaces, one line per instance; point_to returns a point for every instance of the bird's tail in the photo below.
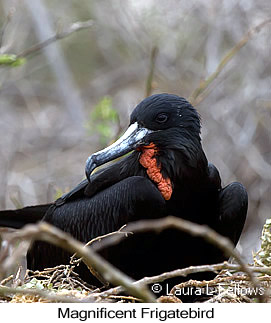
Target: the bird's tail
pixel 18 218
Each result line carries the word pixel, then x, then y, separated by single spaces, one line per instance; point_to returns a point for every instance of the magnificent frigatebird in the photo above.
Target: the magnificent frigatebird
pixel 166 173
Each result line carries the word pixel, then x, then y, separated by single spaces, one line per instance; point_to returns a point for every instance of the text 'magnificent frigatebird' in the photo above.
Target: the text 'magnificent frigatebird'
pixel 167 173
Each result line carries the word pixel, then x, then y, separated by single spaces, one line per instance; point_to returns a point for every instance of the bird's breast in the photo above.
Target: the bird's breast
pixel 198 206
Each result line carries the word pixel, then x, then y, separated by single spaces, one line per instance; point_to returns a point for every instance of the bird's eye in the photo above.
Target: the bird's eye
pixel 161 118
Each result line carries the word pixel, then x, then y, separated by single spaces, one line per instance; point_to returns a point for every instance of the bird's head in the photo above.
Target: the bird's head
pixel 159 125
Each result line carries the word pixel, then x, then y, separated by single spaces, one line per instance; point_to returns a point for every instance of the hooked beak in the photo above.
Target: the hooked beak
pixel 130 140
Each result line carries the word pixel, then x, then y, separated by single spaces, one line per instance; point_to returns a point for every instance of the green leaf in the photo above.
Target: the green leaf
pixel 11 60
pixel 58 193
pixel 102 120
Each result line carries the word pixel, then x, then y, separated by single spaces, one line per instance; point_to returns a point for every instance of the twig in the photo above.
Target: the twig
pixel 149 85
pixel 222 295
pixel 194 229
pixel 77 26
pixel 46 232
pixel 99 238
pixel 6 280
pixel 9 262
pixel 168 299
pixel 167 275
pixel 4 27
pixel 204 84
pixel 127 298
pixel 71 277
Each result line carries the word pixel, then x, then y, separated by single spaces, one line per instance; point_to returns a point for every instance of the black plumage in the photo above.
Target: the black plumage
pixel 123 192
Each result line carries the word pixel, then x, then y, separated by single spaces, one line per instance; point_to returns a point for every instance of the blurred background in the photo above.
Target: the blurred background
pixel 74 96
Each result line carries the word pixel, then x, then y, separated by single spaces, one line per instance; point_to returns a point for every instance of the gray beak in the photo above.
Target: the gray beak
pixel 130 140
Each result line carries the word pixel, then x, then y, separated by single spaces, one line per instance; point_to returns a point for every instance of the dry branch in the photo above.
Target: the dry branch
pixel 4 27
pixel 46 232
pixel 185 272
pixel 99 238
pixel 194 229
pixel 77 26
pixel 59 277
pixel 149 82
pixel 138 289
pixel 204 84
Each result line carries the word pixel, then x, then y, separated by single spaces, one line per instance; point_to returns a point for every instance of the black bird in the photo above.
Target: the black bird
pixel 167 173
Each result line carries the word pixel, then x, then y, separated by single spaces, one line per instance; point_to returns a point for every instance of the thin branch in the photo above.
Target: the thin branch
pixel 204 84
pixel 149 82
pixel 10 261
pixel 61 276
pixel 126 298
pixel 232 297
pixel 75 27
pixel 46 232
pixel 50 234
pixel 6 280
pixel 99 238
pixel 193 229
pixel 4 27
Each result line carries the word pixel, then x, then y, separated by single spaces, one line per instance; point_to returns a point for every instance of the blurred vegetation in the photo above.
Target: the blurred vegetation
pixel 59 192
pixel 263 256
pixel 102 119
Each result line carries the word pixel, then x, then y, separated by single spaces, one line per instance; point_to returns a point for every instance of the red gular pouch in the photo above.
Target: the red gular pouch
pixel 148 161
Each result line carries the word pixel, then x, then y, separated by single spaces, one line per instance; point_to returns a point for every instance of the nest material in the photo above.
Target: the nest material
pixel 225 288
pixel 60 280
pixel 63 281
